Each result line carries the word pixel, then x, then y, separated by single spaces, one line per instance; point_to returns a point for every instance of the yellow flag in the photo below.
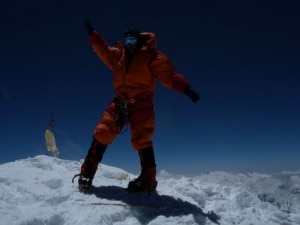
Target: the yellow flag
pixel 50 143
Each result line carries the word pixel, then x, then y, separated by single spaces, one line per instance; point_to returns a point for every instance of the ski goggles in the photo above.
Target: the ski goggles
pixel 130 40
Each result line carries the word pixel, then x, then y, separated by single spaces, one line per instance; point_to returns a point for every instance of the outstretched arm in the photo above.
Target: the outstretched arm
pixel 102 49
pixel 164 71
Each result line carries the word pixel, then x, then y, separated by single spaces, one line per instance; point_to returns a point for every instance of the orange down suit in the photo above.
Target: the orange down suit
pixel 134 83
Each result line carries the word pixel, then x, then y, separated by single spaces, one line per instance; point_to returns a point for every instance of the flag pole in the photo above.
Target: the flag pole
pixel 52 120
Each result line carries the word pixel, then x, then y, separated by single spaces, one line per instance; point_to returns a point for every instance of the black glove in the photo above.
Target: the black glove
pixel 89 27
pixel 192 94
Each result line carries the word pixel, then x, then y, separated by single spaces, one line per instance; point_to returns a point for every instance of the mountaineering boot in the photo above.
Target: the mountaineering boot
pixel 146 181
pixel 90 166
pixel 84 184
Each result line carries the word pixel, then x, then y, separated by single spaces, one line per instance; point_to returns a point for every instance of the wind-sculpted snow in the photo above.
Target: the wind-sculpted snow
pixel 39 190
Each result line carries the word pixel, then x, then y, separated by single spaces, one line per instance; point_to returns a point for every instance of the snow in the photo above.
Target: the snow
pixel 39 190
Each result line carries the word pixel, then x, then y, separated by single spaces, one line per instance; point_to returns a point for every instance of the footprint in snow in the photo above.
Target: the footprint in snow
pixel 53 183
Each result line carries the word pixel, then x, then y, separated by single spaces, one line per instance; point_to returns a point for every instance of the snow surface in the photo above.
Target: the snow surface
pixel 39 191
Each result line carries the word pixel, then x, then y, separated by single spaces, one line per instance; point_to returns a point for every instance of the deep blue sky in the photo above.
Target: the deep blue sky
pixel 242 57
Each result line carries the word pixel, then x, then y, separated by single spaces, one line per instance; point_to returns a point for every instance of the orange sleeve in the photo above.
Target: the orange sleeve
pixel 105 52
pixel 149 39
pixel 164 71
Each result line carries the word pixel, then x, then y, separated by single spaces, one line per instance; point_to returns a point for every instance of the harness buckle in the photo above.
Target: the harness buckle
pixel 131 100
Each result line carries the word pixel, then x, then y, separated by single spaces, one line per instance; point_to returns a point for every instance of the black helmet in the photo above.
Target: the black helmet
pixel 132 32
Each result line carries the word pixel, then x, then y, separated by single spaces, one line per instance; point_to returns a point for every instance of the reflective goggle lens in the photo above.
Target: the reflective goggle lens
pixel 130 40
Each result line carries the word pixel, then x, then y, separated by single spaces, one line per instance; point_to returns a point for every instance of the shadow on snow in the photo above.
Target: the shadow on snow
pixel 147 207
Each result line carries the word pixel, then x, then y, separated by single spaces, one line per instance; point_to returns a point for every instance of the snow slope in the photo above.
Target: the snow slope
pixel 36 191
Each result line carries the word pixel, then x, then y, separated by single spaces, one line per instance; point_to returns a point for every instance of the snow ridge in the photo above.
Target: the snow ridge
pixel 39 190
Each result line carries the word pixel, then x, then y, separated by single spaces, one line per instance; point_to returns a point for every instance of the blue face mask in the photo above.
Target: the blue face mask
pixel 130 40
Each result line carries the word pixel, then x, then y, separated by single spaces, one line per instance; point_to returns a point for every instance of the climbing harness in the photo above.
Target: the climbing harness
pixel 126 107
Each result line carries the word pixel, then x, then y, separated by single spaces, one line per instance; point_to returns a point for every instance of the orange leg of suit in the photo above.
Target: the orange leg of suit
pixel 141 118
